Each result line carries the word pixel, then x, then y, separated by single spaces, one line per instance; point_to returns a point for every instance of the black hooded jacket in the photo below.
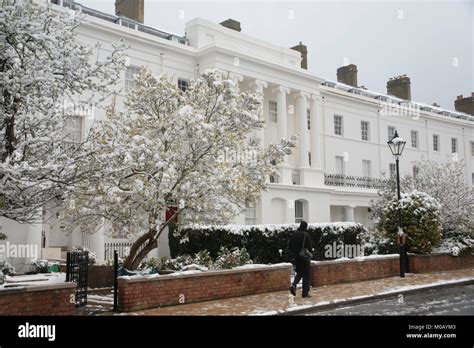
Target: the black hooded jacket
pixel 296 242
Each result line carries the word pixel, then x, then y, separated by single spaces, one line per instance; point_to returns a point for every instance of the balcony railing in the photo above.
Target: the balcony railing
pixel 342 180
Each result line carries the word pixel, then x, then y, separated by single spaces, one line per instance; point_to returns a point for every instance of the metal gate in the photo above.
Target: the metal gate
pixel 77 264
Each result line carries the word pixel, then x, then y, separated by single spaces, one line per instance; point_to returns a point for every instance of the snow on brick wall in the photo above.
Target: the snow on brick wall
pixel 138 293
pixel 39 300
pixel 439 262
pixel 334 272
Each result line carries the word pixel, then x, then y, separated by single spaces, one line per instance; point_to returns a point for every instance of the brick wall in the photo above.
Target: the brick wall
pixel 137 293
pixel 345 271
pixel 51 299
pixel 439 262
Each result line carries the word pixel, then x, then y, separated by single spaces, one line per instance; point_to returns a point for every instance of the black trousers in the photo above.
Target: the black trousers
pixel 303 270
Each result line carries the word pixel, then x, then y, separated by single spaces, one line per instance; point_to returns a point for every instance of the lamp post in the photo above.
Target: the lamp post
pixel 396 145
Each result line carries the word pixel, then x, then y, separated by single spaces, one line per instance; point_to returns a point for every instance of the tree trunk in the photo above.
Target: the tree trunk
pixel 144 245
pixel 152 244
pixel 148 242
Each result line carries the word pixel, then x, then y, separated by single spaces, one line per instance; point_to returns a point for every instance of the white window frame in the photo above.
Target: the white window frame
pixel 273 111
pixel 394 171
pixel 299 204
pixel 367 168
pixel 414 139
pixel 415 170
pixel 183 84
pixel 437 143
pixel 340 165
pixel 130 74
pixel 77 123
pixel 454 145
pixel 339 125
pixel 391 132
pixel 296 177
pixel 273 178
pixel 365 133
pixel 250 213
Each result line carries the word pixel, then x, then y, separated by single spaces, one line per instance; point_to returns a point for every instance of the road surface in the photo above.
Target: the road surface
pixel 448 301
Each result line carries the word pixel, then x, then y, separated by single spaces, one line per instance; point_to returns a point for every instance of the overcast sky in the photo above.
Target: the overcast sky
pixel 430 41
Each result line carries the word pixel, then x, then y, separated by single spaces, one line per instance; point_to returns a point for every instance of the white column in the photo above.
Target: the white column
pixel 97 243
pixel 303 139
pixel 259 85
pixel 315 136
pixel 282 114
pixel 282 123
pixel 350 213
pixel 236 77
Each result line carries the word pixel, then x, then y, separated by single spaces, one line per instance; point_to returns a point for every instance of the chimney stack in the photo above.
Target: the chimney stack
pixel 133 9
pixel 400 87
pixel 231 24
pixel 347 75
pixel 304 54
pixel 465 104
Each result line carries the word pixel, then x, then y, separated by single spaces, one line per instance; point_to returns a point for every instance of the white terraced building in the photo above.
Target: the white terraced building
pixel 342 153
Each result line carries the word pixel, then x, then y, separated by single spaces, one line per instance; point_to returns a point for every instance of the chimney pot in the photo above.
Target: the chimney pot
pixel 133 9
pixel 348 75
pixel 465 104
pixel 304 54
pixel 400 87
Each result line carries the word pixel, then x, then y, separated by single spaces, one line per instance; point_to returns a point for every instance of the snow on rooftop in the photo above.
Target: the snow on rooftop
pixel 381 96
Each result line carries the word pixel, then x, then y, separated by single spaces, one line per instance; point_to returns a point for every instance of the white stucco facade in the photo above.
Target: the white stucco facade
pixel 304 188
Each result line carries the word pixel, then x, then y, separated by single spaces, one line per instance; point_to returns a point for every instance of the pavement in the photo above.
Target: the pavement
pixel 323 298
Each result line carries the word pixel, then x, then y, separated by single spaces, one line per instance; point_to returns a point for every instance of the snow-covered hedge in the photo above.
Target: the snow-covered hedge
pixel 264 243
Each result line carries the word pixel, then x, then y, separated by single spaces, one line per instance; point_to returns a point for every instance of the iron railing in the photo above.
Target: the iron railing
pixel 123 249
pixel 77 268
pixel 343 180
pixel 121 20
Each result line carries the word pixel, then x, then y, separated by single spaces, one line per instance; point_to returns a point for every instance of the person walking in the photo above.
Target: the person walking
pixel 299 241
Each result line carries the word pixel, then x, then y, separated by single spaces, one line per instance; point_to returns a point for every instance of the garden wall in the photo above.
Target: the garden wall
pixel 53 299
pixel 138 292
pixel 345 271
pixel 382 266
pixel 439 262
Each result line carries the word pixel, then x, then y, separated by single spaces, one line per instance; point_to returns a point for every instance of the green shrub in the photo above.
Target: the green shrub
pixel 228 259
pixel 262 242
pixel 420 218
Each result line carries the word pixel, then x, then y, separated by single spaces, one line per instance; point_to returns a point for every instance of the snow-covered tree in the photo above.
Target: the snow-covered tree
pixel 420 219
pixel 45 75
pixel 446 183
pixel 190 153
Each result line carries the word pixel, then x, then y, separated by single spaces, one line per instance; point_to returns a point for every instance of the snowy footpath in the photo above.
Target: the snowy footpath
pixel 326 297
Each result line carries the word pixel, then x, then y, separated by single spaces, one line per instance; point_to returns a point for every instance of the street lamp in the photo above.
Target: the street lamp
pixel 396 145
